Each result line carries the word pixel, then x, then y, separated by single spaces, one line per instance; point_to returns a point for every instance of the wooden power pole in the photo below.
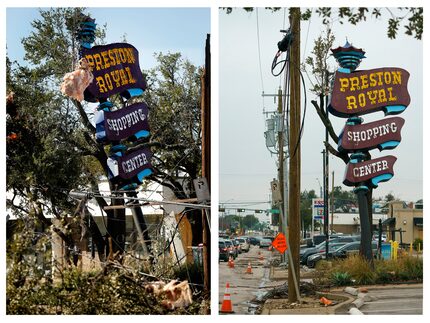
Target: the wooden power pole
pixel 206 158
pixel 294 144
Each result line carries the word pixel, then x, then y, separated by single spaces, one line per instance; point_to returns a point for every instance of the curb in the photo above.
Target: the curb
pixel 359 301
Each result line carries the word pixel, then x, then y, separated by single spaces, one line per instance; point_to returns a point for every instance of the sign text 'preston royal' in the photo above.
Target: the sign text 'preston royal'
pixel 125 122
pixel 382 134
pixel 368 91
pixel 115 68
pixel 132 164
pixel 377 170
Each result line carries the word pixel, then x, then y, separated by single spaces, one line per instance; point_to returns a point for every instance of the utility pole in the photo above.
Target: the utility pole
pixel 281 163
pixel 294 144
pixel 332 200
pixel 206 159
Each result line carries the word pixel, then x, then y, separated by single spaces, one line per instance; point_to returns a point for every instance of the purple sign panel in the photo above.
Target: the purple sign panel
pixel 125 122
pixel 367 91
pixel 384 134
pixel 115 68
pixel 380 168
pixel 132 164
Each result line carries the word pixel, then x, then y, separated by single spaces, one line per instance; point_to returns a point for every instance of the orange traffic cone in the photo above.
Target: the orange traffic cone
pixel 226 306
pixel 325 301
pixel 249 269
pixel 231 262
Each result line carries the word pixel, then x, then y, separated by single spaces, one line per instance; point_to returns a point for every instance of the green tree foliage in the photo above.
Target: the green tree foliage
pixel 412 17
pixel 306 208
pixel 173 96
pixel 250 222
pixel 344 200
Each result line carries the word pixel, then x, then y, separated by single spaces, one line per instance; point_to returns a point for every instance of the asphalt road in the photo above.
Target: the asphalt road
pixel 245 287
pixel 398 300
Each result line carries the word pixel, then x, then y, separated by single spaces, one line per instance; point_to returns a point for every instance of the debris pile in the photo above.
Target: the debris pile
pixel 177 294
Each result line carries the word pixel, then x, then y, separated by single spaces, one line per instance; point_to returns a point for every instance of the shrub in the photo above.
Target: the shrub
pixel 357 267
pixel 416 242
pixel 410 268
pixel 386 271
pixel 340 278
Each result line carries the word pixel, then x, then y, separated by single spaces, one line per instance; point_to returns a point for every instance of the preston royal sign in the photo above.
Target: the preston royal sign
pixel 125 122
pixel 373 171
pixel 382 134
pixel 115 68
pixel 134 163
pixel 367 91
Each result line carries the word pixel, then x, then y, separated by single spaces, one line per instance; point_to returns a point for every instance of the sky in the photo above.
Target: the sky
pixel 150 30
pixel 246 167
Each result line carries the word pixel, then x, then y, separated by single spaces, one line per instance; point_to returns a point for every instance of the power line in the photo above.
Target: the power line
pixel 259 53
pixel 307 35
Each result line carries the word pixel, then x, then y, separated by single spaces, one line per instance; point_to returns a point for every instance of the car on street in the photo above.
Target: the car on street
pixel 265 243
pixel 237 246
pixel 244 244
pixel 255 241
pixel 340 252
pixel 224 251
pixel 233 251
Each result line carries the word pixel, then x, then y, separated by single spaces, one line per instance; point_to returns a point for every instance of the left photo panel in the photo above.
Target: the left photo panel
pixel 108 161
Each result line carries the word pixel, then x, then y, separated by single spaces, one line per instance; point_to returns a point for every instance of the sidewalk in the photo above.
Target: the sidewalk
pixel 310 305
pixel 382 295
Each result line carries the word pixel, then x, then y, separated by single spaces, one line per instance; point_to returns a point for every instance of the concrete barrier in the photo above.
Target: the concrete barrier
pixel 351 290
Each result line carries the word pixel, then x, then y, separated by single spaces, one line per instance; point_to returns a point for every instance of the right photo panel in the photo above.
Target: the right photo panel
pixel 320 161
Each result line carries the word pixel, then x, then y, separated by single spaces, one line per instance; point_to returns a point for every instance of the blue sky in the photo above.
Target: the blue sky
pixel 148 29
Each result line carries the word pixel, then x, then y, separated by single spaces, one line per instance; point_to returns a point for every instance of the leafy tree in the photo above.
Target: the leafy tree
pixel 250 222
pixel 306 208
pixel 413 16
pixel 173 96
pixel 389 197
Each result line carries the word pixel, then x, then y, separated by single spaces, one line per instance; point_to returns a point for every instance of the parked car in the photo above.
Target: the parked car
pixel 224 251
pixel 338 238
pixel 244 244
pixel 305 253
pixel 340 252
pixel 265 243
pixel 233 251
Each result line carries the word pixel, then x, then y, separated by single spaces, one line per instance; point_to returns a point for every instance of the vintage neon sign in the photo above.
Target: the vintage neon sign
pixel 367 91
pixel 382 134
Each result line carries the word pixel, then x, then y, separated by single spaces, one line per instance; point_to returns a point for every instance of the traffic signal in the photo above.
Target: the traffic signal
pixel 240 210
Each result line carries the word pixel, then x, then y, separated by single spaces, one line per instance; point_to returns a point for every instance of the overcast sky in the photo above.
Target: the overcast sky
pixel 246 166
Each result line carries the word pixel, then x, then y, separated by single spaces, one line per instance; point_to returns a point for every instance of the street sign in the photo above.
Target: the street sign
pixel 382 134
pixel 280 243
pixel 374 170
pixel 367 91
pixel 274 211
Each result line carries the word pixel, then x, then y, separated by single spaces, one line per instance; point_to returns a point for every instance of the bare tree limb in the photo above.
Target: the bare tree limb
pixel 325 121
pixel 84 116
pixel 334 152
